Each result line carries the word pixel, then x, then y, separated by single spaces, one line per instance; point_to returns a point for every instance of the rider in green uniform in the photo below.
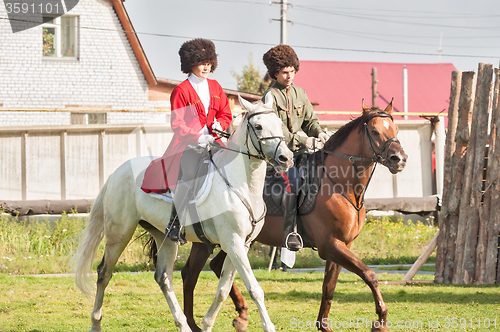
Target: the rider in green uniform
pixel 297 113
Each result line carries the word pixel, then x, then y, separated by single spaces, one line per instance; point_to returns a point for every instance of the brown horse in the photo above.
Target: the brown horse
pixel 346 164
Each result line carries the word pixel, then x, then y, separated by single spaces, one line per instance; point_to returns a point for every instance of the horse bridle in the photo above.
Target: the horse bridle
pixel 260 156
pixel 250 129
pixel 387 144
pixel 378 158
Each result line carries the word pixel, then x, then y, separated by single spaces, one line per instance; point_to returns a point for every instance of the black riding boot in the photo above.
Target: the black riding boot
pixel 174 228
pixel 293 240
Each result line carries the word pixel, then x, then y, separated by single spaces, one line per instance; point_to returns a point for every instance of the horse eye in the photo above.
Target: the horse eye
pixel 374 132
pixel 258 127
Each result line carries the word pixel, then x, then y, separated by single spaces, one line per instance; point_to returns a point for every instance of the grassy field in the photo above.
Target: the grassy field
pixel 134 303
pixel 46 247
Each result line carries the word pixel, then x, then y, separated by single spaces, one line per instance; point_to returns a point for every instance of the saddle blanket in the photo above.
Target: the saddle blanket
pixel 200 196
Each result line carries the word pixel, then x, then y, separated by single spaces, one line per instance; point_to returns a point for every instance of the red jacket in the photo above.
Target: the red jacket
pixel 187 119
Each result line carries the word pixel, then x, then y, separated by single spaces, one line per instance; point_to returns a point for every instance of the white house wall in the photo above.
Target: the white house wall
pixel 106 75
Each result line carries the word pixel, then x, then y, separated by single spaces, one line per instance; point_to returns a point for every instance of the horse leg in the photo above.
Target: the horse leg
pixel 223 288
pixel 190 273
pixel 339 253
pixel 240 323
pixel 332 271
pixel 236 251
pixel 164 275
pixel 115 244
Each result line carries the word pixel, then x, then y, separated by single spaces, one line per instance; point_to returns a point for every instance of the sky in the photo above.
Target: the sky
pixel 467 32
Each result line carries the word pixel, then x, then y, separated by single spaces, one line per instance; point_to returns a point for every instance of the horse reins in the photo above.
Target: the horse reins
pixel 259 150
pixel 260 156
pixel 378 158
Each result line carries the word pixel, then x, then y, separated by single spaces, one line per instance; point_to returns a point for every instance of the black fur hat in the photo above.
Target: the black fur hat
pixel 279 57
pixel 196 52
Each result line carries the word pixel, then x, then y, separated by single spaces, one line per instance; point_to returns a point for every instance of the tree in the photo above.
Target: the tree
pixel 251 79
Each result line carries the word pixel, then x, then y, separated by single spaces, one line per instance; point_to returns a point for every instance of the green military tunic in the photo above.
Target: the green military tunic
pixel 296 113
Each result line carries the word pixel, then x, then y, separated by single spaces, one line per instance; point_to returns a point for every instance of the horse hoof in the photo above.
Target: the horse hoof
pixel 379 329
pixel 240 325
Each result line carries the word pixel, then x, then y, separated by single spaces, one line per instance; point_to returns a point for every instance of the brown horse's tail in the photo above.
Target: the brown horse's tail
pixel 90 239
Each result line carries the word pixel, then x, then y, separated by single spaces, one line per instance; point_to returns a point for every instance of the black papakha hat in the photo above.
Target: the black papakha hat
pixel 279 57
pixel 196 52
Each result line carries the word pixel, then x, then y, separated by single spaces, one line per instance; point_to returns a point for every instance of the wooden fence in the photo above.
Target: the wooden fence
pixel 469 220
pixel 72 162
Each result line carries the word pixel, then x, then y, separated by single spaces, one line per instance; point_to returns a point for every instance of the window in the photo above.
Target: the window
pixel 60 36
pixel 88 118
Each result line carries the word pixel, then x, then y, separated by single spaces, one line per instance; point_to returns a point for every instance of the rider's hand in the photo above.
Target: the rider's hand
pixel 204 140
pixel 310 143
pixel 323 137
pixel 217 125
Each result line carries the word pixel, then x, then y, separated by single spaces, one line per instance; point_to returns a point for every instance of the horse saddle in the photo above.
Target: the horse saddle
pixel 308 188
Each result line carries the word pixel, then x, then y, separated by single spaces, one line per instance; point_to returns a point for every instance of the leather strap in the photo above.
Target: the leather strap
pixel 242 199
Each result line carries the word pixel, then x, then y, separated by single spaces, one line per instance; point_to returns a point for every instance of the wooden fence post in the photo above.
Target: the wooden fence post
pixel 471 195
pixel 24 166
pixel 487 247
pixel 62 156
pixel 100 138
pixel 450 208
pixel 456 83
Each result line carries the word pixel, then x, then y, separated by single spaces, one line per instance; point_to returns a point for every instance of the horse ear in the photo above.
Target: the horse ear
pixel 365 108
pixel 245 104
pixel 389 107
pixel 268 100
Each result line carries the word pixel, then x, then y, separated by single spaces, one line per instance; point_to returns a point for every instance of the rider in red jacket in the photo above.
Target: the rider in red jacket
pixel 198 106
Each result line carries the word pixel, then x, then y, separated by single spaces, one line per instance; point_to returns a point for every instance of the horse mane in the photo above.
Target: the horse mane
pixel 340 136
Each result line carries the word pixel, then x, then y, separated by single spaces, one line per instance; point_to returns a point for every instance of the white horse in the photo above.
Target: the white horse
pixel 121 205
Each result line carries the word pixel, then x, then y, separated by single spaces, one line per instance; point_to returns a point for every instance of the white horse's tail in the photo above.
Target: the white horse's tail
pixel 89 243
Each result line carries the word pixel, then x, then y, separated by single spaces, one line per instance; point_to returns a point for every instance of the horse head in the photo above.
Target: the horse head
pixel 381 132
pixel 265 134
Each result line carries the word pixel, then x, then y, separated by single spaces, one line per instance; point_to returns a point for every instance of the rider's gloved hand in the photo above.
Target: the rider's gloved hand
pixel 323 137
pixel 310 143
pixel 204 140
pixel 216 125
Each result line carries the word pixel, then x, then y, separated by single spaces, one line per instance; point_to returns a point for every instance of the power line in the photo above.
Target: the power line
pixel 273 44
pixel 371 10
pixel 452 16
pixel 363 35
pixel 371 18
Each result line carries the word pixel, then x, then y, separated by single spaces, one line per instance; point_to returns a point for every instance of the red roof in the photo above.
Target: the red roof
pixel 340 86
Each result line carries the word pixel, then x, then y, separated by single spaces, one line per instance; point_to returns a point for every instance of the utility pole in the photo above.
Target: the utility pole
pixel 374 87
pixel 283 20
pixel 440 49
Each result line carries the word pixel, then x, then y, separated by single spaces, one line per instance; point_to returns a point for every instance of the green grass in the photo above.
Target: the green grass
pixel 46 247
pixel 393 241
pixel 133 302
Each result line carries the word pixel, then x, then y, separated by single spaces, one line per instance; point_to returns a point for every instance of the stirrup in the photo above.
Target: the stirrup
pixel 294 247
pixel 174 233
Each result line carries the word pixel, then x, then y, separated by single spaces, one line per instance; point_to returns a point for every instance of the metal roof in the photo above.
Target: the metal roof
pixel 341 86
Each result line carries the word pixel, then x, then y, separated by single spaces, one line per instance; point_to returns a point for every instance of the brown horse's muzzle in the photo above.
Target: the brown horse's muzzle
pixel 396 158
